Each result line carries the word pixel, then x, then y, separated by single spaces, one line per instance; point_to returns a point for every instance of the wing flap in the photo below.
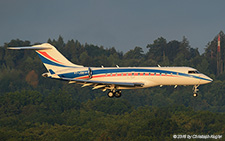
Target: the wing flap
pixel 98 87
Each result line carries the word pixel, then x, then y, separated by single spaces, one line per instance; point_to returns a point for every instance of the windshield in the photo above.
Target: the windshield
pixel 193 72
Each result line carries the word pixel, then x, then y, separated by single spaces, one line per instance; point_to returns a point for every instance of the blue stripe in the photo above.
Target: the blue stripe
pixel 104 71
pixel 51 71
pixel 74 74
pixel 96 72
pixel 46 61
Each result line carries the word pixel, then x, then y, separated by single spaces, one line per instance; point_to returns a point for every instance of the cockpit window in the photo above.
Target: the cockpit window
pixel 193 72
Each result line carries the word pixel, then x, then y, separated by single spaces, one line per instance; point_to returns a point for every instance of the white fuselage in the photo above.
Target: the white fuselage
pixel 150 76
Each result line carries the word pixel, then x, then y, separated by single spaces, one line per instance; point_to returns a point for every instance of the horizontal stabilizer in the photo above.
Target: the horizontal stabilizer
pixel 29 48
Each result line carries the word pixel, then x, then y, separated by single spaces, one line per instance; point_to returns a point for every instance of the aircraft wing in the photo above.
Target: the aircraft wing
pixel 103 84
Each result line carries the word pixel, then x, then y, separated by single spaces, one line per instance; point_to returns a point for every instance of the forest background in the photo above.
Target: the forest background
pixel 36 108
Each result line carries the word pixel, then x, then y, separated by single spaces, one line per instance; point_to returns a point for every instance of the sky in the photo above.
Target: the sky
pixel 123 24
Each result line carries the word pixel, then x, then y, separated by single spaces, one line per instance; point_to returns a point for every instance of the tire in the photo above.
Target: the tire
pixel 110 94
pixel 118 94
pixel 195 95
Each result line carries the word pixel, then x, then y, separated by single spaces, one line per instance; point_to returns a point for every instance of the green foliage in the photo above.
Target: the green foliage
pixel 137 53
pixel 29 115
pixel 108 106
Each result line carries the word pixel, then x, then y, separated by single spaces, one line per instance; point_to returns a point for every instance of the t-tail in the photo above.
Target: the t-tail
pixel 52 59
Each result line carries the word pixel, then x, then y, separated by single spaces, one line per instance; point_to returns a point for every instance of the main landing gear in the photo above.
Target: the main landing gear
pixel 195 90
pixel 113 93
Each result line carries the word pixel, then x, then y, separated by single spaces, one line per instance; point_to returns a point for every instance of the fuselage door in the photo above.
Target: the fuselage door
pixel 89 72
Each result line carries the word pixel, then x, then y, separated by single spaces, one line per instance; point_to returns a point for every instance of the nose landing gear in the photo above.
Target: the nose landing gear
pixel 195 90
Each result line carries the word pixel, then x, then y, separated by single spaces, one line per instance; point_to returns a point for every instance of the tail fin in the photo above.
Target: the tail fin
pixel 50 56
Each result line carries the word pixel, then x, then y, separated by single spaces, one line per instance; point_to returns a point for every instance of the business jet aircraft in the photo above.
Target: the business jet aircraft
pixel 114 78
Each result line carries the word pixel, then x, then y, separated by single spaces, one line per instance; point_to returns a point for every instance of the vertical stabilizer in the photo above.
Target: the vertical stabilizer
pixel 50 56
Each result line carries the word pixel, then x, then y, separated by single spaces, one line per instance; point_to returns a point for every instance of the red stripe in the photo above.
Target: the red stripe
pixel 49 57
pixel 98 76
pixel 84 77
pixel 129 74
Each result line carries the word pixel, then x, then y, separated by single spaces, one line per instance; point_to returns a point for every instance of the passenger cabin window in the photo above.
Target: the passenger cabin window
pixel 193 72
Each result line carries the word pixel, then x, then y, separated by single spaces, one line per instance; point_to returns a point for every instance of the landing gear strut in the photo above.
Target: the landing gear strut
pixel 113 93
pixel 195 90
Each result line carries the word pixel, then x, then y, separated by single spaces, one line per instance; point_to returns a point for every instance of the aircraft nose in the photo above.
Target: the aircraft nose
pixel 210 79
pixel 205 79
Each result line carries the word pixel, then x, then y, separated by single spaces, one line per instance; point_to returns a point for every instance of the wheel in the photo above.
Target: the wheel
pixel 110 94
pixel 195 94
pixel 118 94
